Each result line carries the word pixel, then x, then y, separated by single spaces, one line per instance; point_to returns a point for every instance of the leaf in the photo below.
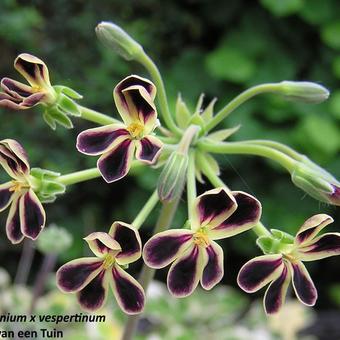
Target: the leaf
pixel 330 34
pixel 282 7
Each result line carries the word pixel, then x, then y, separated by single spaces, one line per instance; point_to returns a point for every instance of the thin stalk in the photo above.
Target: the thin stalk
pixel 96 117
pixel 25 262
pixel 191 182
pixel 79 176
pixel 146 210
pixel 260 230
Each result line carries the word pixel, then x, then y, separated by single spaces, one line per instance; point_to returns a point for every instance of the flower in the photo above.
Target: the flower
pixel 217 214
pixel 280 269
pixel 116 143
pixel 90 277
pixel 19 96
pixel 26 214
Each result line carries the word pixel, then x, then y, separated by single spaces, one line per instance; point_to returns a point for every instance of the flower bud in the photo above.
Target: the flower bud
pixel 316 182
pixel 112 36
pixel 173 176
pixel 304 91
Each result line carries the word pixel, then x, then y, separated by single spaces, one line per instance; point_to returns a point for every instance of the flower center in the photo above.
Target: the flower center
pixel 201 239
pixel 108 261
pixel 36 88
pixel 136 129
pixel 18 186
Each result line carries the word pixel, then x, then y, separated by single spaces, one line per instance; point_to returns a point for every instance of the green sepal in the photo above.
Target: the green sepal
pixel 282 236
pixel 182 115
pixel 124 266
pixel 68 91
pixel 46 184
pixel 221 135
pixel 49 120
pixel 208 112
pixel 198 109
pixel 266 244
pixel 213 164
pixel 68 105
pixel 53 116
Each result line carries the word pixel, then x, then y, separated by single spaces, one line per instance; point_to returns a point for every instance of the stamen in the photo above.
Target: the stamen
pixel 18 186
pixel 108 261
pixel 136 129
pixel 201 239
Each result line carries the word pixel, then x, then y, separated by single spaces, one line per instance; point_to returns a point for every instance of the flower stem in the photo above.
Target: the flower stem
pixel 79 176
pixel 148 63
pixel 146 210
pixel 260 230
pixel 240 99
pixel 164 220
pixel 96 117
pixel 191 182
pixel 249 149
pixel 25 262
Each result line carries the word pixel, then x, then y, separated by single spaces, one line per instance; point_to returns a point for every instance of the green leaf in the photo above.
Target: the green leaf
pixel 318 11
pixel 334 104
pixel 282 7
pixel 230 64
pixel 330 34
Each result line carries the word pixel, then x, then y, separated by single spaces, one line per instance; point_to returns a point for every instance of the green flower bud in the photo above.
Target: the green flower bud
pixel 304 91
pixel 112 36
pixel 173 176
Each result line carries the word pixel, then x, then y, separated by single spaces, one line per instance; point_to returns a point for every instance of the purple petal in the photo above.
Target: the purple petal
pixel 16 89
pixel 334 198
pixel 303 285
pixel 98 140
pixel 13 228
pixel 94 294
pixel 8 102
pixel 323 246
pixel 5 195
pixel 212 208
pixel 32 215
pixel 148 149
pixel 115 164
pixel 276 293
pixel 259 271
pixel 34 99
pixel 129 240
pixel 127 291
pixel 185 272
pixel 75 275
pixel 246 215
pixel 163 248
pixel 213 271
pixel 102 243
pixel 311 228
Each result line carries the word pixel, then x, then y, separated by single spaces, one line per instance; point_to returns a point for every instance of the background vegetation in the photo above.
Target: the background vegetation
pixel 216 47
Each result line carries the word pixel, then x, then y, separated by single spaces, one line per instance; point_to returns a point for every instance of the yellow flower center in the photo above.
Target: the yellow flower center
pixel 36 88
pixel 136 129
pixel 201 239
pixel 108 261
pixel 18 186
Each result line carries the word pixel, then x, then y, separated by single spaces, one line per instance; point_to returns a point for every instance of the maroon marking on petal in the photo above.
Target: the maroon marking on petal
pixel 159 249
pixel 101 246
pixel 326 243
pixel 131 296
pixel 92 296
pixel 32 216
pixel 253 273
pixel 212 205
pixel 34 99
pixel 304 286
pixel 212 272
pixel 275 294
pixel 144 109
pixel 335 196
pixel 5 197
pixel 115 165
pixel 13 228
pixel 92 142
pixel 181 278
pixel 148 150
pixel 29 67
pixel 127 239
pixel 15 88
pixel 71 277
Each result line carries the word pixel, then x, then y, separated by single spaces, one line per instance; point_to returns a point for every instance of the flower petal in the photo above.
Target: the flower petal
pixel 6 195
pixel 276 292
pixel 13 228
pixel 76 274
pixel 311 228
pixel 115 164
pixel 33 69
pixel 163 248
pixel 186 271
pixel 128 292
pixel 32 215
pixel 213 271
pixel 302 283
pixel 33 100
pixel 98 140
pixel 134 98
pixel 212 208
pixel 8 102
pixel 246 215
pixel 148 149
pixel 259 271
pixel 94 294
pixel 129 240
pixel 16 89
pixel 323 246
pixel 102 243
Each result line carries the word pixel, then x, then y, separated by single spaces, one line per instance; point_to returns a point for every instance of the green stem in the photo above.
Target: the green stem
pixel 146 210
pixel 148 63
pixel 96 117
pixel 260 230
pixel 79 176
pixel 240 99
pixel 249 149
pixel 191 183
pixel 164 220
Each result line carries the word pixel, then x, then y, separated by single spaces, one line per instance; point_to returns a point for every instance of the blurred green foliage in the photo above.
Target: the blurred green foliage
pixel 216 47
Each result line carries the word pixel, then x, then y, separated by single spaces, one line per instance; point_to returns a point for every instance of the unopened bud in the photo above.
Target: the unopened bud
pixel 304 91
pixel 173 176
pixel 112 36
